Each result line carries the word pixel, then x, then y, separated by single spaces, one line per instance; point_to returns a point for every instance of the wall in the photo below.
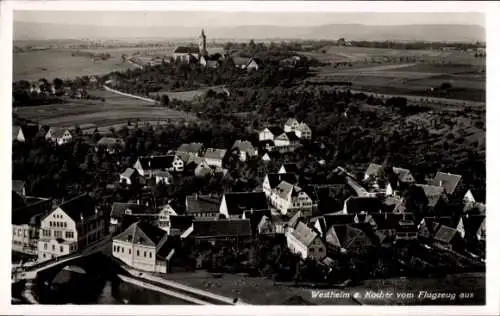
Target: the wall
pixel 129 95
pixel 127 252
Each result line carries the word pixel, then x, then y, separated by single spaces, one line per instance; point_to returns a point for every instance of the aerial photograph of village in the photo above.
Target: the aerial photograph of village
pixel 248 158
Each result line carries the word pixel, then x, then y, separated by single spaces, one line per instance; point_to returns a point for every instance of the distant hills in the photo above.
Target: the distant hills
pixel 416 32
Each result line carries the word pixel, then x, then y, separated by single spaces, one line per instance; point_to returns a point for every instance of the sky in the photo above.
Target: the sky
pixel 221 19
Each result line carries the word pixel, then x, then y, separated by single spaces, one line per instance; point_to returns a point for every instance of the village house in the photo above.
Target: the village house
pixel 19 187
pixel 110 144
pixel 306 242
pixel 210 62
pixel 59 136
pixel 289 168
pixel 215 156
pixel 303 131
pixel 191 149
pixel 270 133
pixel 186 54
pixel 119 210
pixel 272 180
pixel 393 184
pixel 291 125
pixel 448 237
pixel 289 198
pixel 265 157
pixel 244 149
pixel 429 225
pixel 160 176
pixel 24 133
pixel 436 196
pixel 233 204
pixel 450 182
pixel 202 206
pixel 362 205
pixel 323 223
pixel 286 142
pixel 266 226
pixel 472 227
pixel 254 64
pixel 212 231
pixel 129 176
pixel 179 224
pixel 144 247
pixel 255 217
pixel 71 227
pixel 147 166
pixel 26 219
pixel 349 239
pixel 391 227
pixel 165 213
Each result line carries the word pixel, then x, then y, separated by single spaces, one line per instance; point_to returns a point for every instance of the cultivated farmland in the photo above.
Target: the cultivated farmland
pixel 115 111
pixel 50 64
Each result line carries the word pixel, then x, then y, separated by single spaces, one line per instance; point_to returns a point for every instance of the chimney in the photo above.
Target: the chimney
pixel 440 183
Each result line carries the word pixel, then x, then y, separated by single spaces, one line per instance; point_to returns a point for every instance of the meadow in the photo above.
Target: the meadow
pixel 50 64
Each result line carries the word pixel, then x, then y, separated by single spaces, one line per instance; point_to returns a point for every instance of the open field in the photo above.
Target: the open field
pixel 415 79
pixel 188 95
pixel 355 54
pixel 116 110
pixel 50 64
pixel 143 51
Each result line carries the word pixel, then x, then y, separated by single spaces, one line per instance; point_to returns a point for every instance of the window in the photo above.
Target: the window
pixel 58 234
pixel 138 252
pixel 311 250
pixel 44 255
pixel 114 248
pixel 69 235
pixel 14 230
pixel 61 248
pixel 150 255
pixel 320 249
pixel 144 254
pixel 50 224
pixel 53 247
pixel 45 246
pixel 123 249
pixel 130 251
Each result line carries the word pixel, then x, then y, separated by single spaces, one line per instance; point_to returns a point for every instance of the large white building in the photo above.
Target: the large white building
pixel 143 246
pixel 71 227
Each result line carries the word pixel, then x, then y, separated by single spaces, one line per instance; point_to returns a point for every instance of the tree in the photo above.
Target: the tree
pixel 165 100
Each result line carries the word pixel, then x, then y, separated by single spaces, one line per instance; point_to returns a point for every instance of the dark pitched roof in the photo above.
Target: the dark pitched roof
pixel 255 216
pixel 143 233
pixel 326 221
pixel 156 162
pixel 304 234
pixel 181 222
pixel 292 136
pixel 31 213
pixel 291 168
pixel 80 207
pixel 403 174
pixel 432 192
pixel 393 221
pixel 472 223
pixel 343 236
pixel 240 61
pixel 276 178
pixel 276 130
pixel 222 228
pixel 245 146
pixel 445 234
pixel 363 204
pixel 447 180
pixel 118 209
pixel 29 131
pixel 190 148
pixel 202 203
pixel 237 202
pixel 18 186
pixel 215 153
pixel 17 200
pixel 187 50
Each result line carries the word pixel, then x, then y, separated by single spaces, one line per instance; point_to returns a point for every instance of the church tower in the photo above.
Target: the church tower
pixel 203 43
